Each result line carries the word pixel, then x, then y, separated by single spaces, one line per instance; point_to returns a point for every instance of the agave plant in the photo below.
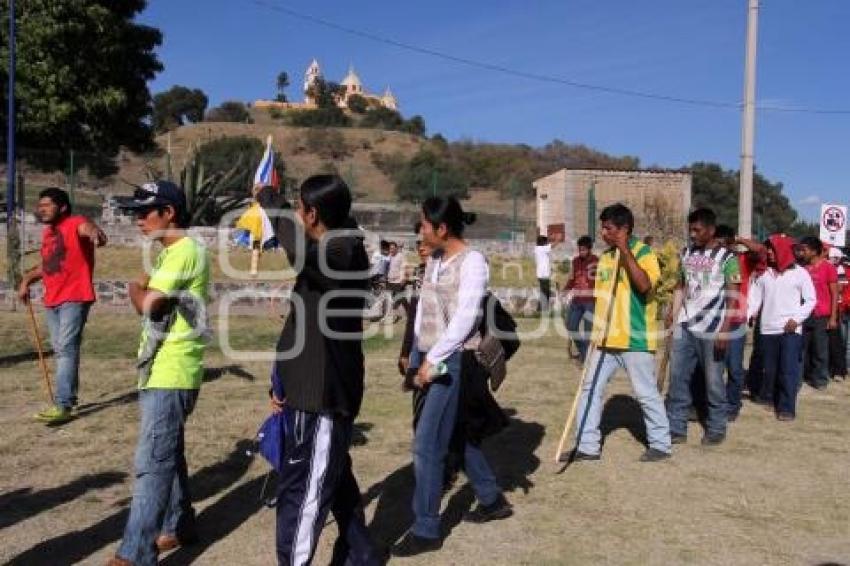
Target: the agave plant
pixel 206 197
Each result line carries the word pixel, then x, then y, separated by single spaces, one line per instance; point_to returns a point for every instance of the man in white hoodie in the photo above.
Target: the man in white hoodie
pixel 785 295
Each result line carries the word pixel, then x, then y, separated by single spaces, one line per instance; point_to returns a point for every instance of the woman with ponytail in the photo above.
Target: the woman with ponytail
pixel 445 338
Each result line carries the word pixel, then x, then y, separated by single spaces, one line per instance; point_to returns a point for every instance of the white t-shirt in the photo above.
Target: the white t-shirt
pixel 380 264
pixel 395 274
pixel 780 297
pixel 543 261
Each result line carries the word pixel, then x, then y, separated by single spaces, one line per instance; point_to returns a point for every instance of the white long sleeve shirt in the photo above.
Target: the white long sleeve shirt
pixel 474 275
pixel 781 297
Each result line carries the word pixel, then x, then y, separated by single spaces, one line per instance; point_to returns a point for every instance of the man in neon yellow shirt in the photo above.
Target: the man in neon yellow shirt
pixel 631 338
pixel 172 302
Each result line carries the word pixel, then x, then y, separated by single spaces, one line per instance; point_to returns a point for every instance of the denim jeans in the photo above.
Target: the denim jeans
pixel 846 333
pixel 66 323
pixel 579 323
pixel 755 371
pixel 781 354
pixel 161 502
pixel 430 446
pixel 689 351
pixel 816 351
pixel 640 367
pixel 735 367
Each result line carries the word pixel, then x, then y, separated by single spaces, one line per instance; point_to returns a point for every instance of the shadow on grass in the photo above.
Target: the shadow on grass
pixel 14 359
pixel 213 374
pixel 511 455
pixel 89 409
pixel 76 546
pixel 623 411
pixel 21 504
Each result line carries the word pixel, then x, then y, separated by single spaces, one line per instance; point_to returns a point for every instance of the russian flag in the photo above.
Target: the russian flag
pixel 266 175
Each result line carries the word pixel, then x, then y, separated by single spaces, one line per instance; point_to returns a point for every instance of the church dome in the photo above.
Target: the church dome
pixel 351 79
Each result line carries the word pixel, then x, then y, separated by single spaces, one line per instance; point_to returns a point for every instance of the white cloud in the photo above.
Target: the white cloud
pixel 811 200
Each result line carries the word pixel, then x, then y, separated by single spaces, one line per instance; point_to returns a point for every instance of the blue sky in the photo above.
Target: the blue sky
pixel 233 49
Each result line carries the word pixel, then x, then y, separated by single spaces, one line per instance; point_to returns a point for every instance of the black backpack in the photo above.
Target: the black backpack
pixel 497 320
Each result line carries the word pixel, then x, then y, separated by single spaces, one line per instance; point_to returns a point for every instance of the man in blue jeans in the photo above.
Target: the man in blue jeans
pixel 67 264
pixel 580 286
pixel 628 274
pixel 170 362
pixel 702 303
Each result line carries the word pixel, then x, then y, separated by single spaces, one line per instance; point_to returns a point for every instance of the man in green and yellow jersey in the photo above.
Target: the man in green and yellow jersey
pixel 625 335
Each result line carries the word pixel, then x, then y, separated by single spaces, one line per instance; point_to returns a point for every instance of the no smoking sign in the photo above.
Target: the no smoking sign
pixel 833 224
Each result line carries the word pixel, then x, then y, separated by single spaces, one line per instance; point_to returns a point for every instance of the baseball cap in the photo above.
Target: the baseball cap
pixel 154 194
pixel 835 253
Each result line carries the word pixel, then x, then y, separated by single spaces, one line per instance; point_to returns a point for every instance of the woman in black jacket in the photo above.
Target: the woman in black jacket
pixel 320 363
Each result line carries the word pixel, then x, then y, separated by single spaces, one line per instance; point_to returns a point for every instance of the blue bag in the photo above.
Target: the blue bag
pixel 272 433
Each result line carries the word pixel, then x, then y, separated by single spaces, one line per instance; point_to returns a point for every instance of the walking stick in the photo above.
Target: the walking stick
pixel 559 455
pixel 665 362
pixel 37 337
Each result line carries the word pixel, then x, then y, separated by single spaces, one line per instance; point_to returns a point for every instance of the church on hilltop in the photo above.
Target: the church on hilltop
pixel 351 84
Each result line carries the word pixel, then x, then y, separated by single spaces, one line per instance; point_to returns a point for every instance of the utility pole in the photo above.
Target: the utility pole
pixel 10 135
pixel 745 197
pixel 514 191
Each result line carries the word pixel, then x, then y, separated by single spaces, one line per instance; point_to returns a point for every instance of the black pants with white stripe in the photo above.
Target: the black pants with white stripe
pixel 315 478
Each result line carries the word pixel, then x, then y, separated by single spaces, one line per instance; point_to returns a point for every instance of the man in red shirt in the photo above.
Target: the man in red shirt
pixel 67 265
pixel 823 318
pixel 580 285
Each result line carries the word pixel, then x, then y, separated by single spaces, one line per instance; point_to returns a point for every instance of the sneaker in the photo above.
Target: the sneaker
pixel 54 415
pixel 654 455
pixel 499 509
pixel 785 417
pixel 713 439
pixel 579 456
pixel 679 438
pixel 413 545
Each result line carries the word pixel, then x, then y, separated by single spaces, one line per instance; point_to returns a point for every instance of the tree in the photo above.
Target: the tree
pixel 717 188
pixel 415 126
pixel 81 80
pixel 219 156
pixel 357 104
pixel 282 84
pixel 427 174
pixel 382 118
pixel 176 106
pixel 229 111
pixel 326 94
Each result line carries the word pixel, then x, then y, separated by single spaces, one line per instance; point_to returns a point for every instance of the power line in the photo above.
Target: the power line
pixel 537 76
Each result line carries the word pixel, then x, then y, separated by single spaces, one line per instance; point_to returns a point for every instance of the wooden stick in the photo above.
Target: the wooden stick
pixel 255 260
pixel 665 362
pixel 574 409
pixel 37 337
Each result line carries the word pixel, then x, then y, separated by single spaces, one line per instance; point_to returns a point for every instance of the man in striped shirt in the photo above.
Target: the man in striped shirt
pixel 702 304
pixel 631 337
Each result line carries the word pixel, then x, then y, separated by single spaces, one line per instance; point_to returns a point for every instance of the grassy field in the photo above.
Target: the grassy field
pixel 775 493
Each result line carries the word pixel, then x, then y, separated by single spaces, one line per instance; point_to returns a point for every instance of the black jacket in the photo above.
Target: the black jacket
pixel 324 373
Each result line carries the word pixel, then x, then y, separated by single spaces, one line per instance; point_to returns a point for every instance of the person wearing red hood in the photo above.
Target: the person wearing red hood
pixel 786 297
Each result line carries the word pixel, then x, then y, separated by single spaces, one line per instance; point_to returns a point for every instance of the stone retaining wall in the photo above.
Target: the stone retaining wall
pixel 260 297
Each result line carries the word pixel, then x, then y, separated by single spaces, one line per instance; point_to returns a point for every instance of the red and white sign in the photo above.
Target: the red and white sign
pixel 833 224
